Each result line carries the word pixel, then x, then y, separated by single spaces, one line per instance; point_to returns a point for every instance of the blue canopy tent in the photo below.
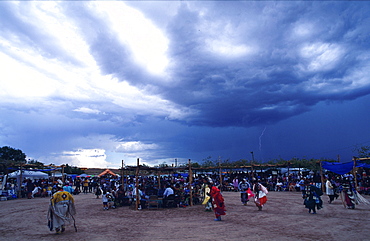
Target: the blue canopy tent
pixel 343 168
pixel 338 168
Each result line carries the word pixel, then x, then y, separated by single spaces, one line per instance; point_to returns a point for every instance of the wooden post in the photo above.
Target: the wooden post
pixel 322 178
pixel 53 174
pixel 5 178
pixel 190 183
pixel 122 176
pixel 354 172
pixel 127 176
pixel 63 174
pixel 137 186
pixel 252 170
pixel 159 179
pixel 219 163
pixel 252 164
pixel 19 193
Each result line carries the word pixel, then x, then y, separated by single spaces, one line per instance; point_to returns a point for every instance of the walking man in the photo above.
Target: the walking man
pixel 61 210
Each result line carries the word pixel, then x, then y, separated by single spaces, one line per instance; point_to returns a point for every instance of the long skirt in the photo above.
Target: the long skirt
pixel 260 201
pixel 60 215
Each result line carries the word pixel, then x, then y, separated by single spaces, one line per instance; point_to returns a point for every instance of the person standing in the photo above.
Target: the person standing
pixel 330 191
pixel 30 187
pixel 236 184
pixel 217 201
pixel 312 198
pixel 68 188
pixel 348 195
pixel 98 191
pixel 243 188
pixel 260 194
pixel 61 210
pixel 206 198
pixel 85 185
pixel 302 186
pixel 142 200
pixel 78 185
pixel 105 200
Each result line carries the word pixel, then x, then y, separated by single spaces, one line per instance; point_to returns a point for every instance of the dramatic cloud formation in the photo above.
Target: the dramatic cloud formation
pixel 92 83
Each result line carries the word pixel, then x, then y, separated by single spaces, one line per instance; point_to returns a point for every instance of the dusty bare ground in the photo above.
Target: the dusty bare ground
pixel 283 218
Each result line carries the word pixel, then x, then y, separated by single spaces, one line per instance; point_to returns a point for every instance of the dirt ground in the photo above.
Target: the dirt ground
pixel 283 218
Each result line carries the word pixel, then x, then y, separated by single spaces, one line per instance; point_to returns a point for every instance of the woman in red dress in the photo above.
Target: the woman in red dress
pixel 260 194
pixel 217 201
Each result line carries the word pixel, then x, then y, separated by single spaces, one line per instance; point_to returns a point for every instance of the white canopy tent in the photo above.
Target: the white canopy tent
pixel 27 175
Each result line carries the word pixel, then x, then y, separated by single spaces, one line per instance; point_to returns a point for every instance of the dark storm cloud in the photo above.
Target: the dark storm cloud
pixel 287 78
pixel 271 85
pixel 280 81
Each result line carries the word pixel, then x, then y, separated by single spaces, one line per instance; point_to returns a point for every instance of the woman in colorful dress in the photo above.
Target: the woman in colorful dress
pixel 217 201
pixel 260 193
pixel 348 195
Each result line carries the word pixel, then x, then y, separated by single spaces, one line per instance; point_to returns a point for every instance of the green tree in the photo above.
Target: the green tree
pixel 9 154
pixel 36 164
pixel 241 162
pixel 164 164
pixel 363 151
pixel 207 162
pixel 72 169
pixel 195 164
pixel 10 157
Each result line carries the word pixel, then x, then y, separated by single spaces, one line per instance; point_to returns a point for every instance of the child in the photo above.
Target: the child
pixel 50 190
pixel 105 200
pixel 110 200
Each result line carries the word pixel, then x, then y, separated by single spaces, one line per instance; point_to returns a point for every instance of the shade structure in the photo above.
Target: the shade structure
pixel 28 174
pixel 107 172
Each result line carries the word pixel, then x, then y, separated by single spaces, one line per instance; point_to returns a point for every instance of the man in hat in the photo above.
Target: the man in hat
pixel 61 210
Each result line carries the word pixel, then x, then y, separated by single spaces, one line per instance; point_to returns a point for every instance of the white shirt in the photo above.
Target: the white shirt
pixel 168 192
pixel 134 193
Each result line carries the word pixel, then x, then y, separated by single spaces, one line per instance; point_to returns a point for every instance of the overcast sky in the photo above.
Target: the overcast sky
pixel 91 83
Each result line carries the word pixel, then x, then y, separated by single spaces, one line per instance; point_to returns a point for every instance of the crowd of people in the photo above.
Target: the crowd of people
pixel 206 189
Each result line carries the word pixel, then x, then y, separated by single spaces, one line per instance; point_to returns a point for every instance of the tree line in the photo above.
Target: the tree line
pixel 11 157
